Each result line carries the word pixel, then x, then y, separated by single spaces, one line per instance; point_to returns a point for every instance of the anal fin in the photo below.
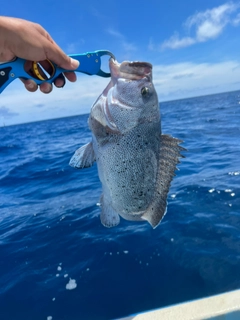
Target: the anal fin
pixel 83 157
pixel 168 160
pixel 109 217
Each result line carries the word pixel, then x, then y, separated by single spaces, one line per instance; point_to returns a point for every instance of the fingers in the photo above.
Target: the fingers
pixel 45 70
pixel 54 53
pixel 71 76
pixel 60 81
pixel 46 87
pixel 31 86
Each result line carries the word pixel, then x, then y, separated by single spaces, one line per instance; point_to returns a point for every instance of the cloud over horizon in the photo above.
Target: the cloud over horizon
pixel 6 113
pixel 205 25
pixel 172 81
pixel 189 79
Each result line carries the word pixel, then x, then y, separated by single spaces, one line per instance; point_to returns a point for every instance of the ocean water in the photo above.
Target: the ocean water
pixel 56 259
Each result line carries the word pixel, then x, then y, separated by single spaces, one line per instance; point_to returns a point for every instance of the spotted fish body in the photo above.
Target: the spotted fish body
pixel 135 161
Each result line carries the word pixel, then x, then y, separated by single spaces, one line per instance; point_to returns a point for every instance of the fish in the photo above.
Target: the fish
pixel 136 162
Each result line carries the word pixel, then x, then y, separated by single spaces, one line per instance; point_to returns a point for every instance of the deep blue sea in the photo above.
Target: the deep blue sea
pixel 51 236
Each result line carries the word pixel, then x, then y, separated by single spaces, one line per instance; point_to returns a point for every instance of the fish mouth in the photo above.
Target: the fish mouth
pixel 131 70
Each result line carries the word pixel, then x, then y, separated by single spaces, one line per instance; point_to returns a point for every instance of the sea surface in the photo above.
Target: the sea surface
pixel 57 260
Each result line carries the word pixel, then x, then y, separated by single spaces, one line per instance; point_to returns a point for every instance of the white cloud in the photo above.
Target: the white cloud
pixel 173 81
pixel 75 98
pixel 183 80
pixel 114 33
pixel 205 25
pixel 7 113
pixel 175 42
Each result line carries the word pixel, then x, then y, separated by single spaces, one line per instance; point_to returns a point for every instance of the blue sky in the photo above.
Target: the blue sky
pixel 193 45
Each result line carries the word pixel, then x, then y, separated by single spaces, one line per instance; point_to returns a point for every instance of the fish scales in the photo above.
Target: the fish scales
pixel 135 161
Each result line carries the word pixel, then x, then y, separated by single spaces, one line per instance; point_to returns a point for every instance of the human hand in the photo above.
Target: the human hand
pixel 28 40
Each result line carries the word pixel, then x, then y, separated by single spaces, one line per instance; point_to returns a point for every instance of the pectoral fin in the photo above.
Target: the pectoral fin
pixel 169 158
pixel 83 157
pixel 109 217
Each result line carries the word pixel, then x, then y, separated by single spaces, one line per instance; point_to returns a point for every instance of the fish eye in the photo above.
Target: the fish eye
pixel 145 91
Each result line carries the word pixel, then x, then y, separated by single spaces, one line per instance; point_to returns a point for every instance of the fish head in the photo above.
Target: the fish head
pixel 129 99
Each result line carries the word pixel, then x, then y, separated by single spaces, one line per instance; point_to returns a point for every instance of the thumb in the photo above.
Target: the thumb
pixel 55 54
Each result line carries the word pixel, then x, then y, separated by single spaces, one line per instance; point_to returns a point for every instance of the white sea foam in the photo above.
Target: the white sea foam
pixel 71 284
pixel 236 173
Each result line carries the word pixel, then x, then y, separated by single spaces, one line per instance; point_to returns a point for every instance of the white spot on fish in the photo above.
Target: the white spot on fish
pixel 125 251
pixel 211 190
pixel 233 194
pixel 59 268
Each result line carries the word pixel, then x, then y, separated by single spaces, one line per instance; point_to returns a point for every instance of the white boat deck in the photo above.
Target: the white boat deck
pixel 220 307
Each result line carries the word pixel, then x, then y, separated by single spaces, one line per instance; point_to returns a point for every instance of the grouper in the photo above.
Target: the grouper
pixel 135 161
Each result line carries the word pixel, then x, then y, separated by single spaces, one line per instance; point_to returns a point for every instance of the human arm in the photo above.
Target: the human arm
pixel 28 40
